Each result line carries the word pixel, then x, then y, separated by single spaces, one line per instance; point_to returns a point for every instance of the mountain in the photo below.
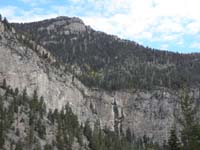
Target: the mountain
pixel 123 87
pixel 104 61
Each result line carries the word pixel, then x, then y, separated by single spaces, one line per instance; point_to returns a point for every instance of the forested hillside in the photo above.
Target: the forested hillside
pixel 105 61
pixel 26 123
pixel 48 57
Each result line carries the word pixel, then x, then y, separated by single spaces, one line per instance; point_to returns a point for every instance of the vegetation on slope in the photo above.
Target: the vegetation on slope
pixel 25 123
pixel 105 61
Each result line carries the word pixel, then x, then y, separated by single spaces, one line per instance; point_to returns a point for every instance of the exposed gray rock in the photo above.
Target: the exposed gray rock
pixel 2 28
pixel 145 112
pixel 75 27
pixel 149 113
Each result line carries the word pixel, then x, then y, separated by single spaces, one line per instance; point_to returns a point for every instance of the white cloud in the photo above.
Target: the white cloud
pixel 180 42
pixel 35 3
pixel 8 11
pixel 14 14
pixel 100 23
pixel 26 1
pixel 193 27
pixel 170 37
pixel 75 1
pixel 24 19
pixel 152 20
pixel 195 45
pixel 164 47
pixel 169 25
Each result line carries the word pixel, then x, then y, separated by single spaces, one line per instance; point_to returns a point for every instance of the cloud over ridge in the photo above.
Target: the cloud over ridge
pixel 172 24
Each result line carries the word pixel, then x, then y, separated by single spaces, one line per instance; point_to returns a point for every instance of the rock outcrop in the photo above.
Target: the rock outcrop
pixel 149 113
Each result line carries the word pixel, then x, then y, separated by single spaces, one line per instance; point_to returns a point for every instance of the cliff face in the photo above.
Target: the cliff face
pixel 146 112
pixel 23 67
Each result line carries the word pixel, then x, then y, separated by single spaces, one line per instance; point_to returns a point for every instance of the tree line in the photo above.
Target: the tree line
pixel 18 108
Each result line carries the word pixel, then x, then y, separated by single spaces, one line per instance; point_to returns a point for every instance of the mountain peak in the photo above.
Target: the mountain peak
pixel 66 24
pixel 69 19
pixel 117 84
pixel 106 61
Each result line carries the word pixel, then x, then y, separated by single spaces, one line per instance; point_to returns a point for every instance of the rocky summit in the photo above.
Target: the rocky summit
pixel 124 87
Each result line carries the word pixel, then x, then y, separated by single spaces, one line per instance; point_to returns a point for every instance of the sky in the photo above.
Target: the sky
pixel 172 25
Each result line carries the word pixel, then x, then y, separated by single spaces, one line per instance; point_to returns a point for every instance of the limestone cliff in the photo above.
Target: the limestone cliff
pixel 146 112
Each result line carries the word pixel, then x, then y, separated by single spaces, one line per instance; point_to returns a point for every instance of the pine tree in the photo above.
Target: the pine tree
pixel 35 95
pixel 41 129
pixel 4 86
pixel 87 130
pixel 16 91
pixel 30 138
pixel 5 21
pixel 173 142
pixel 19 146
pixel 42 105
pixel 129 137
pixel 48 147
pixel 24 95
pixel 1 124
pixel 96 136
pixel 190 133
pixel 1 135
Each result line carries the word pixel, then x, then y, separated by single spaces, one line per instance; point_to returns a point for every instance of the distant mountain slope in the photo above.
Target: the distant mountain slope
pixel 149 115
pixel 105 61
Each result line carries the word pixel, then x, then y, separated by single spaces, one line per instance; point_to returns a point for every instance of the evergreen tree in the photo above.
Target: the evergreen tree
pixel 41 129
pixel 19 146
pixel 5 21
pixel 50 116
pixel 4 86
pixel 42 105
pixel 35 95
pixel 48 147
pixel 16 91
pixel 2 140
pixel 24 95
pixel 96 136
pixel 30 138
pixel 173 142
pixel 1 124
pixel 87 130
pixel 190 133
pixel 129 137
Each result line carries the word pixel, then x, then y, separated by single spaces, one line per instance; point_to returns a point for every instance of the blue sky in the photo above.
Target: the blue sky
pixel 172 25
